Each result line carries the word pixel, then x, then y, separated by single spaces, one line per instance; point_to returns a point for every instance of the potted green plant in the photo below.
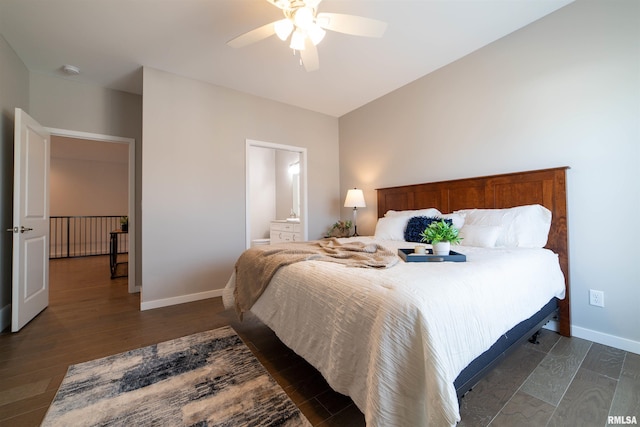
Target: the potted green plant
pixel 124 223
pixel 339 229
pixel 441 234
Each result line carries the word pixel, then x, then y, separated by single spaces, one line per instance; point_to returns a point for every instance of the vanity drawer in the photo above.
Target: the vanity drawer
pixel 284 236
pixel 285 226
pixel 282 231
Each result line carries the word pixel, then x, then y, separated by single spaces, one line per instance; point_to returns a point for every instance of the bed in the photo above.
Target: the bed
pixel 404 348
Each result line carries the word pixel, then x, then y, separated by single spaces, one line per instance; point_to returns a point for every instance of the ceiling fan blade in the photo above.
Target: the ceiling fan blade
pixel 309 56
pixel 351 24
pixel 253 36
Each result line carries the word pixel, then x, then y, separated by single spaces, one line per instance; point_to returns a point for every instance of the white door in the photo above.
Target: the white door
pixel 30 220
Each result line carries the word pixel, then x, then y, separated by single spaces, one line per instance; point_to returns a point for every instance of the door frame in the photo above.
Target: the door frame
pixel 131 278
pixel 303 183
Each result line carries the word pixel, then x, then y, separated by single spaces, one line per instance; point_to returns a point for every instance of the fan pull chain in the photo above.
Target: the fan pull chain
pixel 294 54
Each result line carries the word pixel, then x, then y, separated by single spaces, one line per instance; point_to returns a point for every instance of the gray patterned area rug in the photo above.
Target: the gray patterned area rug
pixel 206 379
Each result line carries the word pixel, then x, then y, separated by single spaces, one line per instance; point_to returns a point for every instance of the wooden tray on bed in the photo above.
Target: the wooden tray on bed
pixel 409 256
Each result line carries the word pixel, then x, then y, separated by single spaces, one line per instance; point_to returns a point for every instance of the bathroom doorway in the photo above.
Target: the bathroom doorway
pixel 276 187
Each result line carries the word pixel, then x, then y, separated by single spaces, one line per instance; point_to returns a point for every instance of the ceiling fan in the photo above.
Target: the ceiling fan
pixel 307 28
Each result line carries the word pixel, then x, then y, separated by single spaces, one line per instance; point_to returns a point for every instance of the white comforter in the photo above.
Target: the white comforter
pixel 395 340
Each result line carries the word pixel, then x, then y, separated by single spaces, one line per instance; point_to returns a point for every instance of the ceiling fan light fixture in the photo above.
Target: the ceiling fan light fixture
pixel 316 34
pixel 283 28
pixel 297 40
pixel 303 18
pixel 306 29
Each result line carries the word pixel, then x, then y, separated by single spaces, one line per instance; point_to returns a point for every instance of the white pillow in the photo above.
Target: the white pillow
pixel 391 228
pixel 430 212
pixel 482 236
pixel 523 226
pixel 458 220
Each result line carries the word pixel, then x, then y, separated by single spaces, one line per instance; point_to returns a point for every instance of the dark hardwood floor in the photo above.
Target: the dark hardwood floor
pixel 559 382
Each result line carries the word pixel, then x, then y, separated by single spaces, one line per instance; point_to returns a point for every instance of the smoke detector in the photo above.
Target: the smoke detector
pixel 71 70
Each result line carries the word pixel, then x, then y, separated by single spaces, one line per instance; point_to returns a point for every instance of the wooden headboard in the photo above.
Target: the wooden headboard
pixel 546 187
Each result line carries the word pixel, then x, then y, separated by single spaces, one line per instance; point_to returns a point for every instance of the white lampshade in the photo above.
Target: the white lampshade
pixel 316 34
pixel 297 40
pixel 355 199
pixel 283 28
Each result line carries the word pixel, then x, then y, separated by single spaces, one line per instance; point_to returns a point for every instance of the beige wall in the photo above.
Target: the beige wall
pixel 193 168
pixel 63 103
pixel 562 91
pixel 14 92
pixel 88 187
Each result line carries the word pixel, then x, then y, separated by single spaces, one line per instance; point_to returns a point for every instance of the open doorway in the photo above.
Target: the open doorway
pixel 276 190
pixel 92 180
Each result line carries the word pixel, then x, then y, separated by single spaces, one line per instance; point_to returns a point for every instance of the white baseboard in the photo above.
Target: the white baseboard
pixel 606 339
pixel 5 317
pixel 599 337
pixel 148 305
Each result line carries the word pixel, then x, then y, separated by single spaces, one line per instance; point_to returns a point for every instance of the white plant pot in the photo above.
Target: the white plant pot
pixel 442 248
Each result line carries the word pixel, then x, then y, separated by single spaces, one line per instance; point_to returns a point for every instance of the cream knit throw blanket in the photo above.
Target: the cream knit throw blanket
pixel 256 266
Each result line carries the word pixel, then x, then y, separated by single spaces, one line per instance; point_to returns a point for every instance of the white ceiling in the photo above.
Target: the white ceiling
pixel 110 40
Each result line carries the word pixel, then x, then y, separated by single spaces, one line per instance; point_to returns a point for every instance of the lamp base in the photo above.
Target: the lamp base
pixel 355 217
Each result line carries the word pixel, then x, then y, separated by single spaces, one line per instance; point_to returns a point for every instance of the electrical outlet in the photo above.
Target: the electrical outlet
pixel 596 298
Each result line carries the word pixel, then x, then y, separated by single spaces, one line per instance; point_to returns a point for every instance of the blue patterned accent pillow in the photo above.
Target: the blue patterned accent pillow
pixel 417 224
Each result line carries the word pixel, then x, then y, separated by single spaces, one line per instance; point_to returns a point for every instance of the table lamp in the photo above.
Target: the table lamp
pixel 355 199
